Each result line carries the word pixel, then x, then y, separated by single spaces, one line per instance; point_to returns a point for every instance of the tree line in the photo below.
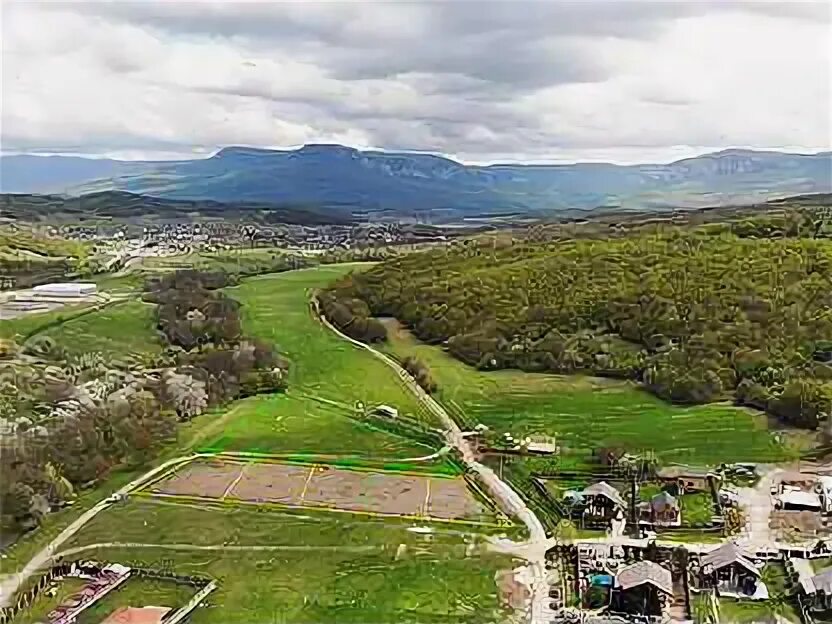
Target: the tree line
pixel 695 314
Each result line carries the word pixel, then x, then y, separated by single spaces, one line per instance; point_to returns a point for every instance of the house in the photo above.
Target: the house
pixel 731 571
pixel 602 501
pixel 662 510
pixel 686 479
pixel 818 590
pixel 643 588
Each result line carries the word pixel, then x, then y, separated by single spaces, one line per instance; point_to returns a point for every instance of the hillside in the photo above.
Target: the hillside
pixel 347 180
pixel 139 208
pixel 697 314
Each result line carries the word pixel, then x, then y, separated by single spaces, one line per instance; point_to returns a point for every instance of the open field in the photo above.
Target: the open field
pixel 335 567
pixel 117 330
pixel 324 486
pixel 585 413
pixel 327 377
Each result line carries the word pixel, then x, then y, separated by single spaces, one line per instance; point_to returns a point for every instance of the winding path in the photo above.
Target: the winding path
pixel 533 551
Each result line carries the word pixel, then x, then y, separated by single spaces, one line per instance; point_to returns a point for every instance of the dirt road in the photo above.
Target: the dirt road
pixel 11 583
pixel 533 551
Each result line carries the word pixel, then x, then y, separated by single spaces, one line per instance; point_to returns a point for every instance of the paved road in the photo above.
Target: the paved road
pixel 11 583
pixel 533 551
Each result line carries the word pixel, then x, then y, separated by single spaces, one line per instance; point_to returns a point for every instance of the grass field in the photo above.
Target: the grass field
pixel 333 569
pixel 327 377
pixel 116 330
pixel 585 413
pixel 20 327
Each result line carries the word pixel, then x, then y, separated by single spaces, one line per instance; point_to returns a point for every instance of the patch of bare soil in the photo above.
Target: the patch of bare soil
pixel 366 491
pixel 322 486
pixel 277 483
pixel 209 479
pixel 450 498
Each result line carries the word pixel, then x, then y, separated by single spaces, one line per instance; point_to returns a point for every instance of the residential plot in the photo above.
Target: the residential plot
pixel 443 498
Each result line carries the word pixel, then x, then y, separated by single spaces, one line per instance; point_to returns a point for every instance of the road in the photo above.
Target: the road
pixel 12 582
pixel 758 505
pixel 534 550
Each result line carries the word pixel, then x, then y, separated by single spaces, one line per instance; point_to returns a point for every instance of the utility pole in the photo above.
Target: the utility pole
pixel 636 530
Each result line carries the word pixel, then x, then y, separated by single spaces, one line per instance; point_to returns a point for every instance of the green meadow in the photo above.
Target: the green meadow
pixel 328 376
pixel 585 413
pixel 321 567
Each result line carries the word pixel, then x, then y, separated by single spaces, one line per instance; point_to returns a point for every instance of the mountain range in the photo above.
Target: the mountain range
pixel 375 183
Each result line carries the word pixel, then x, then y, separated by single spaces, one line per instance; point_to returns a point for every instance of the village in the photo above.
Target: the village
pixel 679 544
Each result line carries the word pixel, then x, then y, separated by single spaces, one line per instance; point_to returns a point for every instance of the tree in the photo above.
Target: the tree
pixel 187 394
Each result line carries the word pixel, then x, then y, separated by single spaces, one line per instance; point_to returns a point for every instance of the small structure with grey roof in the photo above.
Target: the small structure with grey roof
pixel 661 510
pixel 818 590
pixel 643 588
pixel 602 501
pixel 687 479
pixel 732 572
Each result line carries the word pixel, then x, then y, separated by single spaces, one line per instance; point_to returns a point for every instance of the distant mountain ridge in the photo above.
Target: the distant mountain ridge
pixel 362 183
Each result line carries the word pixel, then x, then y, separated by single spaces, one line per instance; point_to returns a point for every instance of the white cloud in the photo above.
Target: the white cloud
pixel 547 81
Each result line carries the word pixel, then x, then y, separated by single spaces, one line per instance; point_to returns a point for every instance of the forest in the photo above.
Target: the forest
pixel 68 419
pixel 734 311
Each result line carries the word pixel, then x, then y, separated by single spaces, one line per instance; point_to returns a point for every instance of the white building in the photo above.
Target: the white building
pixel 65 289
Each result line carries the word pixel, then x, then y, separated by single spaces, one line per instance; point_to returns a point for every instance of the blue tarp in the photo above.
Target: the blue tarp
pixel 601 579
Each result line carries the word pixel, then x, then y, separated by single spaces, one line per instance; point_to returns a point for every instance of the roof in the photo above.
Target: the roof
pixel 645 572
pixel 823 581
pixel 800 498
pixel 664 501
pixel 137 615
pixel 606 490
pixel 729 554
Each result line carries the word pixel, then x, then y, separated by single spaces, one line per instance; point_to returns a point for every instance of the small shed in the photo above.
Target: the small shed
pixel 386 410
pixel 792 499
pixel 602 500
pixel 662 510
pixel 686 479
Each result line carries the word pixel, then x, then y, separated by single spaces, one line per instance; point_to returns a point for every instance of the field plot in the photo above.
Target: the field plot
pixel 585 413
pixel 434 497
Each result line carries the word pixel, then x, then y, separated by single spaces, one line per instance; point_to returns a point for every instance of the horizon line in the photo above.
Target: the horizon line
pixel 696 152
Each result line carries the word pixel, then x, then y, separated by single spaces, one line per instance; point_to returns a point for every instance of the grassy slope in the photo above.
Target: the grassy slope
pixel 431 581
pixel 275 308
pixel 585 412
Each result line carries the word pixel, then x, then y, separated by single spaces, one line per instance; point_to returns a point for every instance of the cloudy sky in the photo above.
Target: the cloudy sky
pixel 482 81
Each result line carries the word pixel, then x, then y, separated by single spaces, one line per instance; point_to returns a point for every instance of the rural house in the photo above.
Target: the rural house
pixel 602 501
pixel 643 588
pixel 661 510
pixel 730 570
pixel 686 479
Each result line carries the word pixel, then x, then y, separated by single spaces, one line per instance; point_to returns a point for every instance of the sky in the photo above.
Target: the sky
pixel 544 81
